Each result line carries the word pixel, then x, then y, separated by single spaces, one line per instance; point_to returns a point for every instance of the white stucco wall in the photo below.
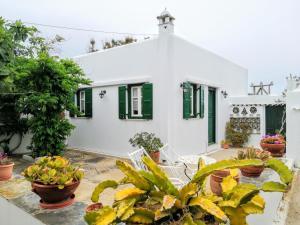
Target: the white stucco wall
pixel 166 62
pixel 260 102
pixel 134 63
pixel 293 125
pixel 196 65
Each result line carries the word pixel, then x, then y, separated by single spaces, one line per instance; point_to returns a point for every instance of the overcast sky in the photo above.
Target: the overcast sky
pixel 260 35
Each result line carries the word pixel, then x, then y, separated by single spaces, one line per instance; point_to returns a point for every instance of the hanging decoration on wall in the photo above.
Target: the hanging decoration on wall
pixel 253 109
pixel 244 112
pixel 252 122
pixel 246 115
pixel 235 110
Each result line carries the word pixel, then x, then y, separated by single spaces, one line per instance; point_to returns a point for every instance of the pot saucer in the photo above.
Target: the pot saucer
pixel 58 205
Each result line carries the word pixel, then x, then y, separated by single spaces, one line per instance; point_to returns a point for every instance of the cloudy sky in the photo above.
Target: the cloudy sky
pixel 261 35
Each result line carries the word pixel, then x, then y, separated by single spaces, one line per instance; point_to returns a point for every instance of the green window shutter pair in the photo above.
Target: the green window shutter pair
pixel 147 102
pixel 88 102
pixel 187 88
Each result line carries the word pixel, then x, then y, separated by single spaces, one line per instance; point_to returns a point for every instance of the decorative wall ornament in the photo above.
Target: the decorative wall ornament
pixel 247 114
pixel 253 109
pixel 252 122
pixel 235 110
pixel 244 112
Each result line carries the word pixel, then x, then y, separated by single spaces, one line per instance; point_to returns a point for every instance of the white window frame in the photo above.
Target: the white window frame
pixel 139 101
pixel 82 101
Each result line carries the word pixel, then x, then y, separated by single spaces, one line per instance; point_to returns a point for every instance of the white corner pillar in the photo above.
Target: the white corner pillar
pixel 293 125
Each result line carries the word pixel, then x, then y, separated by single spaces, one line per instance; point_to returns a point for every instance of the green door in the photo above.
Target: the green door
pixel 274 115
pixel 211 116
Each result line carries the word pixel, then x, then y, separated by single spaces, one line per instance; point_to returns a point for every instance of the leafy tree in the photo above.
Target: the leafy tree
pixel 115 43
pixel 45 85
pixel 12 44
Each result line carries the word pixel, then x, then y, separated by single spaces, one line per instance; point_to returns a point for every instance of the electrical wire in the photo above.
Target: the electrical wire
pixel 86 30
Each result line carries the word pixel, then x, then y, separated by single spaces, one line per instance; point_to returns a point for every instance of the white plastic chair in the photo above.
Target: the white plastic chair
pixel 172 171
pixel 136 158
pixel 189 161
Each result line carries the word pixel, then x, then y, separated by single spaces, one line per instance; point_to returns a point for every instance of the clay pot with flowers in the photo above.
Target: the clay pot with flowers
pixel 6 167
pixel 253 153
pixel 149 142
pixel 275 144
pixel 55 180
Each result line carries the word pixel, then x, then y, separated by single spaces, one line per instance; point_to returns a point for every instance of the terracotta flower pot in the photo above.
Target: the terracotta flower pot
pixel 276 150
pixel 94 207
pixel 6 171
pixel 225 146
pixel 155 156
pixel 52 194
pixel 216 179
pixel 252 171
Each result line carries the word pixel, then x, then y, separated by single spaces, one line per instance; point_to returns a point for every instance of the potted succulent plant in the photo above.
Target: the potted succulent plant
pixel 55 180
pixel 275 144
pixel 149 142
pixel 253 153
pixel 6 167
pixel 225 144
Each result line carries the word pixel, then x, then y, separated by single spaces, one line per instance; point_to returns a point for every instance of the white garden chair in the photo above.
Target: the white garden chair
pixel 174 173
pixel 189 161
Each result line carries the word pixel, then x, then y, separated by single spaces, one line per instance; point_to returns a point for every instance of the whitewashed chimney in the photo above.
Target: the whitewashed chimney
pixel 165 23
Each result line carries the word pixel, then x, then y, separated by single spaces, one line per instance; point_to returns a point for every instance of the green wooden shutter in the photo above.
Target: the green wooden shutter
pixel 122 102
pixel 147 101
pixel 201 103
pixel 88 102
pixel 73 101
pixel 186 100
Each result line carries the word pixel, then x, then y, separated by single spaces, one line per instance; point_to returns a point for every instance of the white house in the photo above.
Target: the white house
pixel 165 85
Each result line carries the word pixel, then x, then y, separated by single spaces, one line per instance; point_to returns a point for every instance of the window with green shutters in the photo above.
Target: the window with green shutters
pixel 193 103
pixel 136 101
pixel 84 102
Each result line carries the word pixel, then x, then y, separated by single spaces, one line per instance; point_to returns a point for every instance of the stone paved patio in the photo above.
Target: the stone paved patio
pixel 97 168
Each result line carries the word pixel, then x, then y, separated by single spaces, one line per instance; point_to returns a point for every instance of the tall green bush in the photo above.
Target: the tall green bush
pixel 42 83
pixel 52 82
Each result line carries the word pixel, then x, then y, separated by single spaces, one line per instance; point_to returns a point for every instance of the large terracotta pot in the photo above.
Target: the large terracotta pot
pixel 6 171
pixel 52 194
pixel 155 156
pixel 276 150
pixel 216 179
pixel 252 171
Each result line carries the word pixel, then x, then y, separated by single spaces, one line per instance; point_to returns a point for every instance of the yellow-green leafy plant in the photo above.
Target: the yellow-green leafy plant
pixel 153 199
pixel 53 170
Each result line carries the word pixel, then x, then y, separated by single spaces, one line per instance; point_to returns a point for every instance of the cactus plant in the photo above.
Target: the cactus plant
pixel 155 200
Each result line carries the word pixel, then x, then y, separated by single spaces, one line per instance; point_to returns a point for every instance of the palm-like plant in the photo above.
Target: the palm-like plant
pixel 153 199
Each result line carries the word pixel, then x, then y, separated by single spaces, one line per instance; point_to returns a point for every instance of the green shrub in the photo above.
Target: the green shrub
pixel 237 137
pixel 146 140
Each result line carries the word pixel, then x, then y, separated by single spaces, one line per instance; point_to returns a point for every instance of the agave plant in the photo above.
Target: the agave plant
pixel 153 199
